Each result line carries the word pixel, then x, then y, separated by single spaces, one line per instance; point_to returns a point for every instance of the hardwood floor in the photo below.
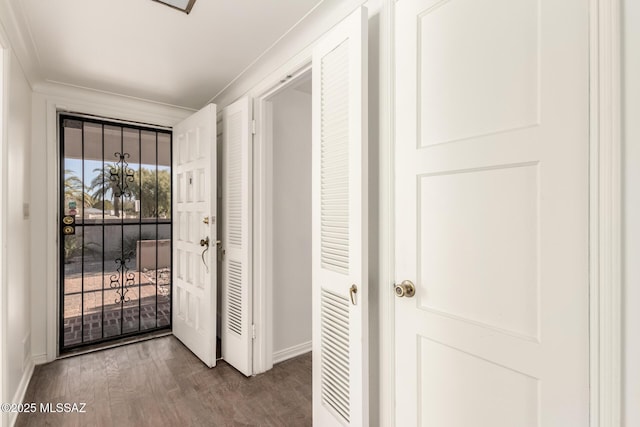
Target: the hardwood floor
pixel 160 383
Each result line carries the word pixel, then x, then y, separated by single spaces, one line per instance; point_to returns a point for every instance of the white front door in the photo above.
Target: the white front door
pixel 236 327
pixel 194 233
pixel 491 208
pixel 339 225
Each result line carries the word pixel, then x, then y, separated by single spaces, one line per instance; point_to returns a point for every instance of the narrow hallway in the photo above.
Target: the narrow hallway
pixel 161 383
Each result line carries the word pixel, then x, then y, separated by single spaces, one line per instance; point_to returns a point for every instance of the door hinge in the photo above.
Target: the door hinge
pixel 253 331
pixel 253 127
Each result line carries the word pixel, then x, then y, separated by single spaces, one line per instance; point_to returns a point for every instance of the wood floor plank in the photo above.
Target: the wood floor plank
pixel 160 382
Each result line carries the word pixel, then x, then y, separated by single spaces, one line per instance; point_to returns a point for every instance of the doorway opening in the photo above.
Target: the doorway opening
pixel 115 231
pixel 284 200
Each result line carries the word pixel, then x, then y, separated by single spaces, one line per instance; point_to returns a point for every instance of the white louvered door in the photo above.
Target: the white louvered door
pixel 340 362
pixel 194 199
pixel 236 263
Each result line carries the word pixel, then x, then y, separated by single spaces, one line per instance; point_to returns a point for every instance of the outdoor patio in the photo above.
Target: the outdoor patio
pixel 146 306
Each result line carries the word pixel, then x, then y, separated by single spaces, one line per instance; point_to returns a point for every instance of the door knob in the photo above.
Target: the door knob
pixel 204 242
pixel 405 289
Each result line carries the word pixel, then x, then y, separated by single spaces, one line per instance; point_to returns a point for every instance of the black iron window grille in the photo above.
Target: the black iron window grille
pixel 121 175
pixel 116 227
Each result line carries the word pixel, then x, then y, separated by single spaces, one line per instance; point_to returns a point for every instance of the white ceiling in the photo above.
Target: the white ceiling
pixel 144 49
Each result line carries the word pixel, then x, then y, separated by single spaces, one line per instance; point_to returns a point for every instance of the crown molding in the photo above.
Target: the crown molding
pixel 16 28
pixel 300 38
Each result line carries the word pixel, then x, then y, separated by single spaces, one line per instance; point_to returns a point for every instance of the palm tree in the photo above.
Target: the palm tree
pixel 74 190
pixel 102 185
pixel 153 189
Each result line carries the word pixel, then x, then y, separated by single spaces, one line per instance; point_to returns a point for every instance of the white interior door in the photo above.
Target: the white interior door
pixel 339 225
pixel 236 242
pixel 491 207
pixel 194 216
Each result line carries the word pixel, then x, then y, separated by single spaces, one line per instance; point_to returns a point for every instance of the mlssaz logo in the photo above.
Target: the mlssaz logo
pixel 63 407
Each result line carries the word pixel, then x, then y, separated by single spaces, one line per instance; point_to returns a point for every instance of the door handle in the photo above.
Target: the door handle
pixel 405 289
pixel 353 290
pixel 205 244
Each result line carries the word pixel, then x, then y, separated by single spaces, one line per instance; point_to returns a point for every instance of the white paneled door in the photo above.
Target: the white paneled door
pixel 236 260
pixel 194 233
pixel 492 141
pixel 339 225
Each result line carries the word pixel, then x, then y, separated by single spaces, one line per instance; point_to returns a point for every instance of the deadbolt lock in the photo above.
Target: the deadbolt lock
pixel 69 225
pixel 405 289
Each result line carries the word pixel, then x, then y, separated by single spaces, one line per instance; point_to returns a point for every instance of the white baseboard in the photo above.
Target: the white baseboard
pixel 291 352
pixel 40 359
pixel 18 397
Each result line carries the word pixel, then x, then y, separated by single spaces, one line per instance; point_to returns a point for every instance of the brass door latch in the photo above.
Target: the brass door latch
pixel 405 289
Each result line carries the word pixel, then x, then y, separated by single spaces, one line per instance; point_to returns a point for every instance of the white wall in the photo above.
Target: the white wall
pixel 291 219
pixel 17 351
pixel 631 212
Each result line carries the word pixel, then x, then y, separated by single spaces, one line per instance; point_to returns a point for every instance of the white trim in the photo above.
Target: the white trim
pixel 263 356
pixel 606 202
pixel 262 237
pixel 45 109
pixel 291 352
pixel 4 144
pixel 386 216
pixel 39 359
pixel 18 397
pixel 14 21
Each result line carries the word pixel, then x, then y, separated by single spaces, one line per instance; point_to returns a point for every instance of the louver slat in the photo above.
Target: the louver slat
pixel 334 325
pixel 234 300
pixel 234 180
pixel 334 162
